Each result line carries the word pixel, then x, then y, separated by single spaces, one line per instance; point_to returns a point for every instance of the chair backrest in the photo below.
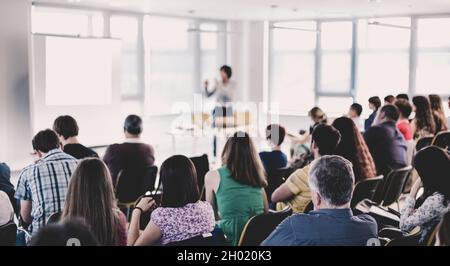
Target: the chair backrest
pixel 133 183
pixel 259 227
pixel 423 143
pixel 309 207
pixel 395 183
pixel 54 218
pixel 411 239
pixel 442 140
pixel 201 164
pixel 8 234
pixel 365 189
pixel 275 178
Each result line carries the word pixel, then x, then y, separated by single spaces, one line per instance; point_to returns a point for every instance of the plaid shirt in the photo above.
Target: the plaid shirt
pixel 45 184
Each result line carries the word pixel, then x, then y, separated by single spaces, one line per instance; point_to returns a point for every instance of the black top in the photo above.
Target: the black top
pixel 5 183
pixel 387 146
pixel 79 151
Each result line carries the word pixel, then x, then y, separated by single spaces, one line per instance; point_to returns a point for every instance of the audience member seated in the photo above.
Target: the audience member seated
pixel 443 232
pixel 276 158
pixel 5 183
pixel 433 167
pixel 402 96
pixel 181 215
pixel 354 113
pixel 295 191
pixel 133 153
pixel 353 147
pixel 66 128
pixel 440 119
pixel 42 186
pixel 332 222
pixel 423 124
pixel 390 99
pixel 6 209
pixel 374 105
pixel 386 143
pixel 90 196
pixel 403 123
pixel 69 233
pixel 237 188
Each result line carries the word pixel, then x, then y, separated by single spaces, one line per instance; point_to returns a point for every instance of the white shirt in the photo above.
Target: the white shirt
pixel 6 209
pixel 359 122
pixel 225 92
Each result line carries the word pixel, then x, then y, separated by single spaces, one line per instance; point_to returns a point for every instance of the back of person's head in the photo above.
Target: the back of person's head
pixel 433 166
pixel 91 196
pixel 357 108
pixel 241 158
pixel 45 141
pixel 424 115
pixel 375 100
pixel 133 125
pixel 318 115
pixel 436 103
pixel 326 138
pixel 389 99
pixel 332 177
pixel 179 182
pixel 404 107
pixel 403 96
pixel 66 126
pixel 443 232
pixel 390 112
pixel 68 233
pixel 227 70
pixel 275 134
pixel 349 136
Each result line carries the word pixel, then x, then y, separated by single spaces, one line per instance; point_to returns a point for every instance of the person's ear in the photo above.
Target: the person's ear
pixel 316 199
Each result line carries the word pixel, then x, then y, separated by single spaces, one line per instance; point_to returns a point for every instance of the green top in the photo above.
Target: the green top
pixel 236 204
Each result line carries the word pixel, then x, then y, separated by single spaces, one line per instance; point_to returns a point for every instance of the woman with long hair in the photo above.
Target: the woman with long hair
pixel 423 124
pixel 90 197
pixel 181 215
pixel 440 119
pixel 433 166
pixel 374 105
pixel 237 188
pixel 353 147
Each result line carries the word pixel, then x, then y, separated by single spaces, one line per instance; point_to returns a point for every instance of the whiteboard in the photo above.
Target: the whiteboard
pixel 78 77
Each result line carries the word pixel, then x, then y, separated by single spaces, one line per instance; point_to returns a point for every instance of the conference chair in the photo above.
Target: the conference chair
pixel 365 189
pixel 54 218
pixel 309 207
pixel 259 227
pixel 8 234
pixel 275 178
pixel 412 238
pixel 423 143
pixel 442 140
pixel 132 184
pixel 201 164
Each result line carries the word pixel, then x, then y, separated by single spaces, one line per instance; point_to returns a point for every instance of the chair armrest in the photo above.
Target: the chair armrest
pixel 390 233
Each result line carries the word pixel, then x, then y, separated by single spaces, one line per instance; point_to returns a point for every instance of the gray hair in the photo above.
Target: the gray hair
pixel 332 177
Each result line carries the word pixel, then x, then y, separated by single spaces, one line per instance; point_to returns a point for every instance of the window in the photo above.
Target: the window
pixel 292 66
pixel 433 59
pixel 335 106
pixel 210 46
pixel 383 58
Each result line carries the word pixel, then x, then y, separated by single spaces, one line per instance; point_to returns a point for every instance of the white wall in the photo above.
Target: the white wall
pixel 15 123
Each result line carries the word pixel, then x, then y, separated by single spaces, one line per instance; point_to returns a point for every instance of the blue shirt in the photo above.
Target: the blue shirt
pixel 369 121
pixel 273 159
pixel 325 227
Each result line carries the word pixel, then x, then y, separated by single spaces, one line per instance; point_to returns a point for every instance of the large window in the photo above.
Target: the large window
pixel 292 65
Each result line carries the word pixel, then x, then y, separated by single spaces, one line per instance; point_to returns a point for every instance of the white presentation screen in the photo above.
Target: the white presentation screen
pixel 78 71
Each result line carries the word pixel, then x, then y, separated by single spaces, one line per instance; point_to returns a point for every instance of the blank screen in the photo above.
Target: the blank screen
pixel 78 71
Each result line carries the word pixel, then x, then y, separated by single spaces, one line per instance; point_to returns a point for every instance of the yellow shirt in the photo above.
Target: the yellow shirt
pixel 297 183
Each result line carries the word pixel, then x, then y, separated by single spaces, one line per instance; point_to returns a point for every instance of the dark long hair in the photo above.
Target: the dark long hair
pixel 444 230
pixel 439 116
pixel 353 147
pixel 179 182
pixel 424 116
pixel 240 157
pixel 433 166
pixel 90 196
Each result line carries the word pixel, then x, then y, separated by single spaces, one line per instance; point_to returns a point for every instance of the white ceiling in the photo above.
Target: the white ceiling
pixel 264 9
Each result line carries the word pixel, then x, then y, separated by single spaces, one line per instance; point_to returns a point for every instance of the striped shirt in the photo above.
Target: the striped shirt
pixel 45 184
